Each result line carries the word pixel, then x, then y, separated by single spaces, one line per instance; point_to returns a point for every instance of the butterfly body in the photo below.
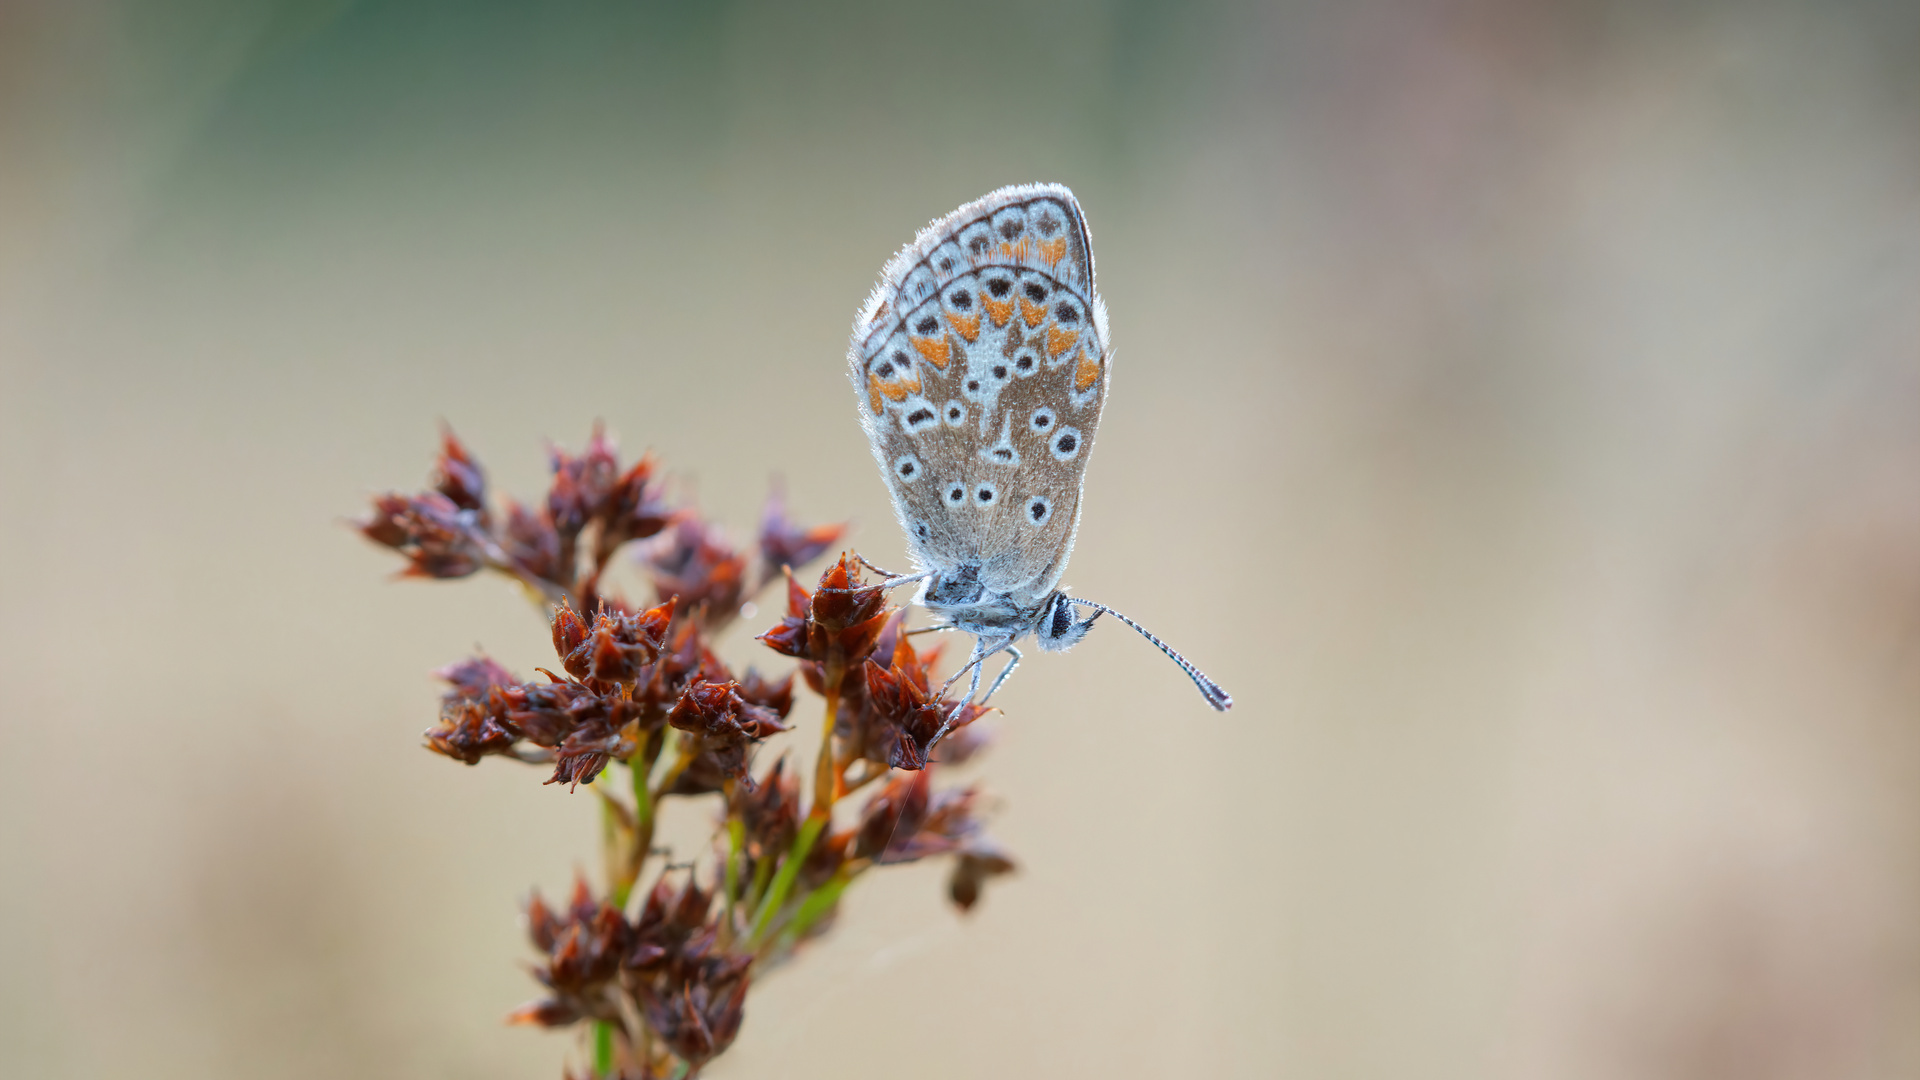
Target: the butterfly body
pixel 981 361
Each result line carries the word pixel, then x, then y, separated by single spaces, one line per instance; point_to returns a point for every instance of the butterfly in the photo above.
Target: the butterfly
pixel 981 361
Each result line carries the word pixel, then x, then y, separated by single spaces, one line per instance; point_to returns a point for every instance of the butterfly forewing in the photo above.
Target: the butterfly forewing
pixel 981 362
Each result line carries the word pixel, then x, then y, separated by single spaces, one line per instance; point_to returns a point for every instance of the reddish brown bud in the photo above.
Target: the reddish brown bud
pixel 775 694
pixel 458 476
pixel 972 869
pixel 581 484
pixel 439 539
pixel 695 563
pixel 470 679
pixel 634 508
pixel 843 601
pixel 468 731
pixel 615 647
pixel 785 544
pixel 583 948
pixel 898 717
pixel 569 633
pixel 725 724
pixel 770 810
pixel 836 626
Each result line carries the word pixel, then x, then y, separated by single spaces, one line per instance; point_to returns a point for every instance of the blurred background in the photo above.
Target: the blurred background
pixel 1518 409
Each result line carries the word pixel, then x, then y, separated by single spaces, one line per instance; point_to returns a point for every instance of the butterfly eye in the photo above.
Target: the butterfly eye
pixel 885 370
pixel 999 371
pixel 1048 224
pixel 1035 291
pixel 957 494
pixel 1024 364
pixel 1066 444
pixel 907 467
pixel 999 287
pixel 1042 419
pixel 979 245
pixel 1066 313
pixel 921 417
pixel 985 495
pixel 956 413
pixel 1039 509
pixel 926 326
pixel 1011 228
pixel 960 298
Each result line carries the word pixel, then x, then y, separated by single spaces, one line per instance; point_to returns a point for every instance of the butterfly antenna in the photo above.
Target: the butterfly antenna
pixel 1216 697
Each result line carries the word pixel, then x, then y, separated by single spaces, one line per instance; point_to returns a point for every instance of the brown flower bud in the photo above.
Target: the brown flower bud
pixel 836 626
pixel 724 725
pixel 972 869
pixel 784 544
pixel 582 484
pixel 634 508
pixel 695 563
pixel 458 476
pixel 439 539
pixel 582 948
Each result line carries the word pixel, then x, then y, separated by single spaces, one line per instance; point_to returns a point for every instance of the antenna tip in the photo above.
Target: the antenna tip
pixel 1217 697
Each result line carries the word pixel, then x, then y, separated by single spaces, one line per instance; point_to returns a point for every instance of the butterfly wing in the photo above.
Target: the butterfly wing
pixel 981 362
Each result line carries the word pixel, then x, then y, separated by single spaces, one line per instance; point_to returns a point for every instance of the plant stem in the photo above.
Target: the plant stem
pixel 817 903
pixel 826 771
pixel 736 841
pixel 618 883
pixel 643 806
pixel 602 1048
pixel 762 872
pixel 825 779
pixel 789 871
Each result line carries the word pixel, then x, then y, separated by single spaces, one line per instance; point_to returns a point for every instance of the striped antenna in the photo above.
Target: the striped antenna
pixel 1209 689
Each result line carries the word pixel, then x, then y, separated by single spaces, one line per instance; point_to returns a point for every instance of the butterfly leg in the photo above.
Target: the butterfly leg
pixel 973 665
pixel 893 579
pixel 1013 661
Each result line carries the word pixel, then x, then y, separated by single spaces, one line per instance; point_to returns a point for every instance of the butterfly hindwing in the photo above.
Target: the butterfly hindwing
pixel 981 362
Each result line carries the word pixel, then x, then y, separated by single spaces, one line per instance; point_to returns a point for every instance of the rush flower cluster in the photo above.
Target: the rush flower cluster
pixel 639 708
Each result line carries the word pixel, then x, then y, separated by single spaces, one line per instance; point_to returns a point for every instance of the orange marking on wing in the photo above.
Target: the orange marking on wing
pixel 873 395
pixel 1086 373
pixel 895 392
pixel 1054 250
pixel 998 310
pixel 934 349
pixel 1059 341
pixel 1032 312
pixel 967 325
pixel 1015 252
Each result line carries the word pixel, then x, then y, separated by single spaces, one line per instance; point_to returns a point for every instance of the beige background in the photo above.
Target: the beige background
pixel 1517 408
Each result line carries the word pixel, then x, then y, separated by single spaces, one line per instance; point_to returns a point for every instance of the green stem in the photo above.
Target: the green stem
pixel 762 871
pixel 825 779
pixel 736 841
pixel 817 903
pixel 603 1048
pixel 617 884
pixel 789 871
pixel 642 805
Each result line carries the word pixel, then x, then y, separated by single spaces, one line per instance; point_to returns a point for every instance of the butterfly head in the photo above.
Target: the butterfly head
pixel 1057 630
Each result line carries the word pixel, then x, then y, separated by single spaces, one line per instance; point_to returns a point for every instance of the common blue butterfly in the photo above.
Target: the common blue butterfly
pixel 981 361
